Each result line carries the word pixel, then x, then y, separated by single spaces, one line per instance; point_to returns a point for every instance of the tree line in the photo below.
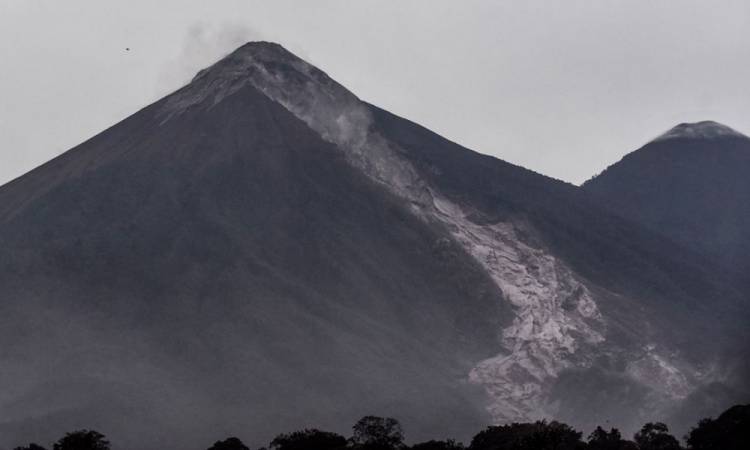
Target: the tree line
pixel 729 431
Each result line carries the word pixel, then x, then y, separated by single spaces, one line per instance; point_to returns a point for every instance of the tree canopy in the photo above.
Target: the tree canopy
pixel 655 436
pixel 600 439
pixel 82 440
pixel 449 444
pixel 539 435
pixel 730 431
pixel 31 446
pixel 231 443
pixel 378 433
pixel 309 439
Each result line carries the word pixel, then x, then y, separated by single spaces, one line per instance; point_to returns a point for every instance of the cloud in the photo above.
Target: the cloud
pixel 203 45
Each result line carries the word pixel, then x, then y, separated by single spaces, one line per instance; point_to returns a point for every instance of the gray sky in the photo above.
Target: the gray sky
pixel 561 87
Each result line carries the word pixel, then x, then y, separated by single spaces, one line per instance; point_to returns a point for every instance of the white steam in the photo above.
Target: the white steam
pixel 203 45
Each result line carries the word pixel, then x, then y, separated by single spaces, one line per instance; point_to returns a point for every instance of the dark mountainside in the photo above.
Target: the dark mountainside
pixel 691 185
pixel 228 271
pixel 670 282
pixel 571 224
pixel 261 250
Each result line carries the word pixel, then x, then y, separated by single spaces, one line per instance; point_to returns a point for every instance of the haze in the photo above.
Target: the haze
pixel 563 88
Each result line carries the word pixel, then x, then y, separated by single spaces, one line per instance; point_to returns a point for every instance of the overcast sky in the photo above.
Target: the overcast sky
pixel 562 87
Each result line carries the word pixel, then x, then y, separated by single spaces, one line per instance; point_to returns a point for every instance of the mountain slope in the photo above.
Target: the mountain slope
pixel 654 296
pixel 262 251
pixel 689 184
pixel 228 271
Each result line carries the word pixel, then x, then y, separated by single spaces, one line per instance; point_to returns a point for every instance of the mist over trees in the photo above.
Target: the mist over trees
pixel 729 431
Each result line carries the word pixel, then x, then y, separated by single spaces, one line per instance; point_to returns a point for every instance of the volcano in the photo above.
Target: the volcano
pixel 262 251
pixel 689 184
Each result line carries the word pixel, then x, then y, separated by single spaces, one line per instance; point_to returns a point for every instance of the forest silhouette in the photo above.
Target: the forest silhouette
pixel 729 431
